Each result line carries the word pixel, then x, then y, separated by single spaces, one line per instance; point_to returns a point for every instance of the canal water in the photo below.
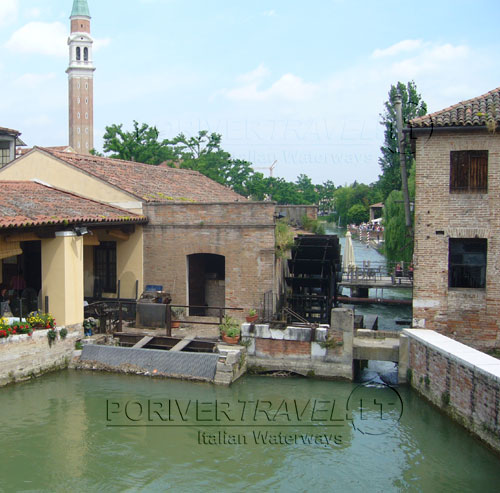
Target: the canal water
pixel 82 431
pixel 387 314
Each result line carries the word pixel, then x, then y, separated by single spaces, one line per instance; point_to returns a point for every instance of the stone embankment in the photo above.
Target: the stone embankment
pixel 23 356
pixel 461 381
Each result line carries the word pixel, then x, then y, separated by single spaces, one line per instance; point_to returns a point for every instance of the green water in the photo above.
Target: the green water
pixel 56 437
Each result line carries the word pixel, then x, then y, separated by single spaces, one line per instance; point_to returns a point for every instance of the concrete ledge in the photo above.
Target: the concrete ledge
pixel 456 351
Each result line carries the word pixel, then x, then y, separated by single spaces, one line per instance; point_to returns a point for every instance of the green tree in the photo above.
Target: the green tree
pixel 307 189
pixel 142 144
pixel 398 240
pixel 412 106
pixel 357 214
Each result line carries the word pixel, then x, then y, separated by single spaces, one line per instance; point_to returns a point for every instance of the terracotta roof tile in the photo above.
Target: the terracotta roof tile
pixel 151 183
pixel 28 203
pixel 10 131
pixel 474 112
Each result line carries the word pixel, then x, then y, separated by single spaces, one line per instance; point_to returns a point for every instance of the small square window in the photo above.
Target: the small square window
pixel 467 262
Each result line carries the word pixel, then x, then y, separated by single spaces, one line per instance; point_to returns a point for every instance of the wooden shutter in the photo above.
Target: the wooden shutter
pixel 469 171
pixel 478 177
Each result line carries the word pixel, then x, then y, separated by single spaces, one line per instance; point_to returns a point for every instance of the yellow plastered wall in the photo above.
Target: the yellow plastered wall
pixel 62 278
pixel 129 263
pixel 50 170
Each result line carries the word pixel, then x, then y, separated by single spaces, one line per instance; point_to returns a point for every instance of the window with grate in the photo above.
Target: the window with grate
pixel 467 262
pixel 4 153
pixel 469 171
pixel 105 266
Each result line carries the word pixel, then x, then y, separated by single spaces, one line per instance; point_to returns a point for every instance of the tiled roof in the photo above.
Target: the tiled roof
pixel 475 112
pixel 22 152
pixel 27 203
pixel 10 131
pixel 151 183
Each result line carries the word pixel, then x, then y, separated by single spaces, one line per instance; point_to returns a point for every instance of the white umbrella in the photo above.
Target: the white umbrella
pixel 348 263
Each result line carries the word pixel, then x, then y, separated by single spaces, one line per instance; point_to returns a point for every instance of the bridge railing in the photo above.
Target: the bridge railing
pixel 378 271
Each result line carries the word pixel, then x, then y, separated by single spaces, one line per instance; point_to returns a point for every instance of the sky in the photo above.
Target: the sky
pixel 300 83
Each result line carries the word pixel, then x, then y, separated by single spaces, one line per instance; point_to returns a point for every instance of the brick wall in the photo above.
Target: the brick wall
pixel 452 377
pixel 281 348
pixel 468 315
pixel 243 232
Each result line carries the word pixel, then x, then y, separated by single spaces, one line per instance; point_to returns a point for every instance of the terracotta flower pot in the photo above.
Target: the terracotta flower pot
pixel 251 320
pixel 230 340
pixel 176 325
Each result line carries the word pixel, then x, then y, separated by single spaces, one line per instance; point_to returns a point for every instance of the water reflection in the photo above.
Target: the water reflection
pixel 55 438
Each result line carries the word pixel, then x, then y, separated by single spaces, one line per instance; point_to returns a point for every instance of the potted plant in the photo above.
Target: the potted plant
pixel 177 313
pixel 252 316
pixel 230 330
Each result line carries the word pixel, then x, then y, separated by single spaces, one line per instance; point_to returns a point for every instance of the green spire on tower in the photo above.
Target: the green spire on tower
pixel 80 7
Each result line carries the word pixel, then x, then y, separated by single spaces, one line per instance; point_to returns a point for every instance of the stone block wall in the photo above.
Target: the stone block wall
pixel 243 232
pixel 467 315
pixel 324 351
pixel 461 381
pixel 295 213
pixel 23 356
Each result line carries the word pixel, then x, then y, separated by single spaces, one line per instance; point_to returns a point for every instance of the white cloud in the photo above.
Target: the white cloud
pixel 101 43
pixel 288 87
pixel 255 76
pixel 34 13
pixel 433 58
pixel 42 38
pixel 34 81
pixel 8 11
pixel 401 47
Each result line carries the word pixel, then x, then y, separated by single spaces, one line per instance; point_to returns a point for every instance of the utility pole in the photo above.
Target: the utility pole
pixel 402 157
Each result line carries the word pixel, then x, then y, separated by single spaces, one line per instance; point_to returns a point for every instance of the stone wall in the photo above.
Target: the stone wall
pixel 23 356
pixel 295 213
pixel 461 381
pixel 243 232
pixel 322 352
pixel 467 315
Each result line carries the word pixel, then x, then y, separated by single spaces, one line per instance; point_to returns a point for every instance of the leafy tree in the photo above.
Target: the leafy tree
pixel 397 238
pixel 412 106
pixel 357 214
pixel 307 189
pixel 142 144
pixel 325 196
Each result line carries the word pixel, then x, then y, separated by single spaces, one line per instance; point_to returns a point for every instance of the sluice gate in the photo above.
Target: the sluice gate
pixel 178 364
pixel 315 270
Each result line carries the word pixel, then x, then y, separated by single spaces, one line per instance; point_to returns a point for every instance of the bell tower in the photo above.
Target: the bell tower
pixel 81 80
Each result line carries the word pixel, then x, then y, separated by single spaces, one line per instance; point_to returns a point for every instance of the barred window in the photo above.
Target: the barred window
pixel 4 153
pixel 105 266
pixel 469 171
pixel 467 262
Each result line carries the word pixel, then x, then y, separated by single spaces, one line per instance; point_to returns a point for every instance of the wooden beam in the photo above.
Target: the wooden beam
pixel 22 237
pixel 182 344
pixel 91 240
pixel 143 342
pixel 116 233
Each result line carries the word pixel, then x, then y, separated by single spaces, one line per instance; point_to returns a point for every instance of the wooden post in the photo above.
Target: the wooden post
pixel 168 320
pixel 120 316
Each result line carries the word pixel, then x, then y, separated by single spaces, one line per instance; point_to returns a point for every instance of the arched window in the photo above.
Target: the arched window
pixel 86 54
pixel 78 53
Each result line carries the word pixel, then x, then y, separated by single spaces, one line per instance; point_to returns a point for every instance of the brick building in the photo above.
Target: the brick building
pixel 204 243
pixel 457 221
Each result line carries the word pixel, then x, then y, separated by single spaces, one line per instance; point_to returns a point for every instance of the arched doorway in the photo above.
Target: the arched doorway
pixel 206 283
